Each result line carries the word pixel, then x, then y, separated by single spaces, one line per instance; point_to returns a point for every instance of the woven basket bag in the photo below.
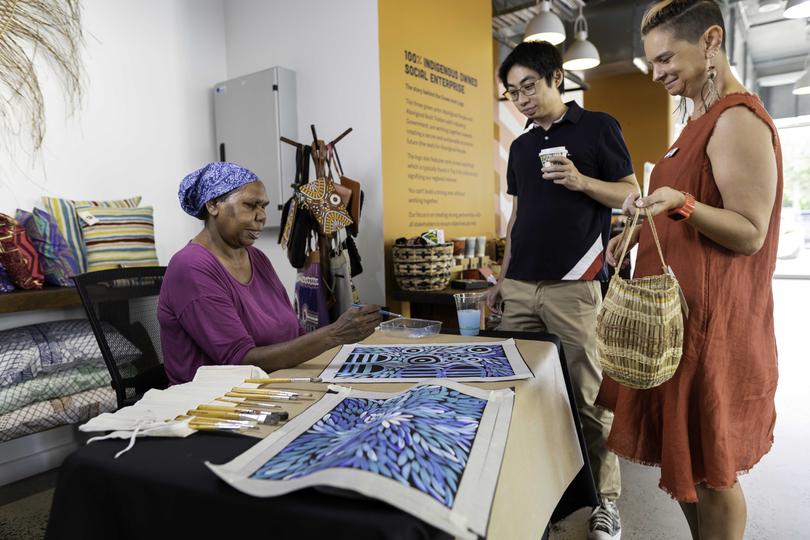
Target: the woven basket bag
pixel 639 330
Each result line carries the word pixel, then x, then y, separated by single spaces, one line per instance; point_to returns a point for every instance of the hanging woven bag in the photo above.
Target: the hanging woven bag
pixel 639 330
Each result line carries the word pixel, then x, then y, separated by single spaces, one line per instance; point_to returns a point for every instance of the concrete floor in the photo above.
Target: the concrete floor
pixel 777 490
pixel 24 507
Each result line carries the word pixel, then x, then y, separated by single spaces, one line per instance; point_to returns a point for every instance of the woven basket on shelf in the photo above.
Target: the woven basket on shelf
pixel 639 330
pixel 422 268
pixel 431 268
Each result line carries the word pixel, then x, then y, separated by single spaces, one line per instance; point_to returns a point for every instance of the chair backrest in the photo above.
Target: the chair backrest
pixel 121 305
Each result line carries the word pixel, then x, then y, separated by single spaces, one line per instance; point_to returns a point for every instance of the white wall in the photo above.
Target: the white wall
pixel 333 48
pixel 146 119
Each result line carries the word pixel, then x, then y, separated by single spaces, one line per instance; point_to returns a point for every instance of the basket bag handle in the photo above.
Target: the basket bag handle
pixel 628 232
pixel 665 269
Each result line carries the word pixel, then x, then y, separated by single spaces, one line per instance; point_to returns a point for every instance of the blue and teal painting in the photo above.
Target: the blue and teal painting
pixel 421 439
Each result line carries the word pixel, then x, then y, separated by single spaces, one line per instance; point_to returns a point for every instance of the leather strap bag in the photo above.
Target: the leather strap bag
pixel 353 205
pixel 639 329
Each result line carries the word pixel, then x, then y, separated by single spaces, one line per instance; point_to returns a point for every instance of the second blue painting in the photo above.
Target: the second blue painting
pixel 467 362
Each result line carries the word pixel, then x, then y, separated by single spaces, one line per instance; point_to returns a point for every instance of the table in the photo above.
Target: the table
pixel 162 484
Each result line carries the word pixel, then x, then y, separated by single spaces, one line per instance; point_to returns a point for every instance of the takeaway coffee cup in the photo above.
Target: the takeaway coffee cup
pixel 552 154
pixel 469 246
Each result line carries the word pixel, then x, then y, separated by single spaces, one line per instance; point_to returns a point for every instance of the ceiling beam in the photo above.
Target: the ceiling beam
pixel 566 9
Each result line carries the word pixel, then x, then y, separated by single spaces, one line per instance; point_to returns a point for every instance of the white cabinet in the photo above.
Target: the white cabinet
pixel 250 114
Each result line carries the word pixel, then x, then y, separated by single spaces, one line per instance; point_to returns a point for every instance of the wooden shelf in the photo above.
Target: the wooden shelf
pixel 47 298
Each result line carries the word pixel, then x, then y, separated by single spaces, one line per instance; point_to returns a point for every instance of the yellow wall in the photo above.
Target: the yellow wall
pixel 436 95
pixel 643 109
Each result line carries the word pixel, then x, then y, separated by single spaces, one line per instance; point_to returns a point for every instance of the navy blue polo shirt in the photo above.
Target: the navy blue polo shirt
pixel 561 234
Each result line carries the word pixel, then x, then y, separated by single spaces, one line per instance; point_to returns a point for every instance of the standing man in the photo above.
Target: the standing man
pixel 556 239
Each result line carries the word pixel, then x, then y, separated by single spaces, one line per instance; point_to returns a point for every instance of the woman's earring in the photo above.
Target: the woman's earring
pixel 682 109
pixel 711 88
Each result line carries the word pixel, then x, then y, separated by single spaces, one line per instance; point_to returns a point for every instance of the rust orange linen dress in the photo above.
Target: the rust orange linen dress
pixel 716 416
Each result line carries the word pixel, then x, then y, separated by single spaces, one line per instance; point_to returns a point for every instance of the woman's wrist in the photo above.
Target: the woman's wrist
pixel 687 206
pixel 327 335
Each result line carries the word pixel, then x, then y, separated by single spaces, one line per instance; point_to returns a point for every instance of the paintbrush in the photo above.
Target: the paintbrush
pixel 213 420
pixel 275 380
pixel 260 397
pixel 265 391
pixel 247 402
pixel 195 423
pixel 266 419
pixel 281 415
pixel 271 391
pixel 212 424
pixel 383 312
pixel 218 427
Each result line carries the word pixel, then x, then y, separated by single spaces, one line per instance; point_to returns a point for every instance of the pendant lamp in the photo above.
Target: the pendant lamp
pixel 802 86
pixel 581 54
pixel 766 6
pixel 797 9
pixel 545 26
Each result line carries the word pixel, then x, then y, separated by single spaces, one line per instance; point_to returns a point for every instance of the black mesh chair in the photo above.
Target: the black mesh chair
pixel 121 305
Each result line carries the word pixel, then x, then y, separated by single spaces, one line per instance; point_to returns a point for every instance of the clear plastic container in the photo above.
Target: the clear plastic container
pixel 410 328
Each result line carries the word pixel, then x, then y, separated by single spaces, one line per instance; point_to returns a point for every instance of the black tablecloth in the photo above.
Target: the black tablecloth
pixel 162 487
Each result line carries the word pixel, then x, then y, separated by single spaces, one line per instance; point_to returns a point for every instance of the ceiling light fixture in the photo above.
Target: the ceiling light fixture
pixel 581 54
pixel 797 9
pixel 779 79
pixel 545 26
pixel 802 86
pixel 641 64
pixel 766 6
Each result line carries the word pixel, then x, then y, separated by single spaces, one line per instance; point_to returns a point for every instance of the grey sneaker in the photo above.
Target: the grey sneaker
pixel 604 523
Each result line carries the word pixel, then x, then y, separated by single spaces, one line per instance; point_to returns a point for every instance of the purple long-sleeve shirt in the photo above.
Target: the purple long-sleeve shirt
pixel 208 317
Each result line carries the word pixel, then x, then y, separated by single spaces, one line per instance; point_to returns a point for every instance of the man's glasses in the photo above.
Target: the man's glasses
pixel 527 90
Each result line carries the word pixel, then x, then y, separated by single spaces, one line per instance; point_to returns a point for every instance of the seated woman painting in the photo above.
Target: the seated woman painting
pixel 221 301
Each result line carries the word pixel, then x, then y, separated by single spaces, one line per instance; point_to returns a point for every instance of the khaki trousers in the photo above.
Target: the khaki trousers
pixel 568 309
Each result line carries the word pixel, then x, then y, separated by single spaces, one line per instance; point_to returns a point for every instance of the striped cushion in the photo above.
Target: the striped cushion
pixel 64 212
pixel 58 262
pixel 117 237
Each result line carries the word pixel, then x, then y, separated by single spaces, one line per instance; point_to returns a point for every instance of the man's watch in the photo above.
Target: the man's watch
pixel 682 213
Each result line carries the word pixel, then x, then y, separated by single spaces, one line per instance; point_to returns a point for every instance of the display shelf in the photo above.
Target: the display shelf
pixel 47 298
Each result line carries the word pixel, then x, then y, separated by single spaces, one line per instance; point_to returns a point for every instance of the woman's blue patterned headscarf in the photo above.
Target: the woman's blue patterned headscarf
pixel 210 182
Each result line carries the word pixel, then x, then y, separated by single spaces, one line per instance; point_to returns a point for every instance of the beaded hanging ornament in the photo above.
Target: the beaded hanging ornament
pixel 326 206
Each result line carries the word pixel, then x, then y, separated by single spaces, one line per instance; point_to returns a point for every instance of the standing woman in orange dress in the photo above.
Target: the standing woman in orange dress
pixel 717 197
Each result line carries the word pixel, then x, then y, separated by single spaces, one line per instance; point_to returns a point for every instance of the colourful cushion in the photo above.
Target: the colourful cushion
pixel 117 237
pixel 63 212
pixel 6 285
pixel 58 262
pixel 18 255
